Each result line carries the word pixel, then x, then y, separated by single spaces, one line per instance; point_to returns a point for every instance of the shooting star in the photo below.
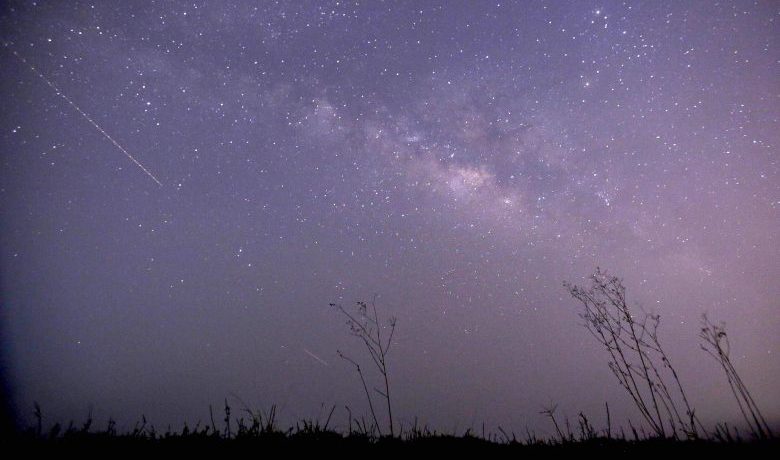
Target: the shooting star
pixel 83 114
pixel 322 361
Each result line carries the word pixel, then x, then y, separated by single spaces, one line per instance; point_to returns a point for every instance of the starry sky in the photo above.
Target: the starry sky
pixel 459 160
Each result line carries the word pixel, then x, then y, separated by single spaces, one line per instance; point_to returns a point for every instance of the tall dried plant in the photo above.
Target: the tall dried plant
pixel 637 358
pixel 715 342
pixel 364 323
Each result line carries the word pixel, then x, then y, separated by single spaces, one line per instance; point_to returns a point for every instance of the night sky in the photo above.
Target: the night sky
pixel 459 160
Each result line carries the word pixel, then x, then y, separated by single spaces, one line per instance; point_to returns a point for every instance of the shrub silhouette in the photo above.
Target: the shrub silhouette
pixel 716 343
pixel 365 325
pixel 637 358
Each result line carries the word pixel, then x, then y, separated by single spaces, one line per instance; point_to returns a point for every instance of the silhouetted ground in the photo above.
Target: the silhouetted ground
pixel 321 441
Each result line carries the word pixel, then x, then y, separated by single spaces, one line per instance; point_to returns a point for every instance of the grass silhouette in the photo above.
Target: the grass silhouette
pixel 637 359
pixel 257 432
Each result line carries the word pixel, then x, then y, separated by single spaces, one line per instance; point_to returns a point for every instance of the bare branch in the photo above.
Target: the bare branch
pixel 637 358
pixel 366 326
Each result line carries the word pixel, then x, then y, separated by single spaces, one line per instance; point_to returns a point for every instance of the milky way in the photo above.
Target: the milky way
pixel 458 160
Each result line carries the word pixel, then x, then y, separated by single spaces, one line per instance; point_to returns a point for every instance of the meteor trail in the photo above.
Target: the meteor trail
pixel 315 357
pixel 83 114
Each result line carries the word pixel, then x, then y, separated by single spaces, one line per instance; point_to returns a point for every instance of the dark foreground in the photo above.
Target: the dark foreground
pixel 322 442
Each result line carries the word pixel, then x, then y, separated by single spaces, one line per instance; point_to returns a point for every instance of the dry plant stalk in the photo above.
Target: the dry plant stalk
pixel 716 344
pixel 637 358
pixel 365 325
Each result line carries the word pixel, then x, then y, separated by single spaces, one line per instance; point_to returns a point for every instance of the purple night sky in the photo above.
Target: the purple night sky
pixel 460 160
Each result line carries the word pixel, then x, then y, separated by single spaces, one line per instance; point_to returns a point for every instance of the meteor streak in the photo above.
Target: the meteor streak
pixel 83 114
pixel 315 357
